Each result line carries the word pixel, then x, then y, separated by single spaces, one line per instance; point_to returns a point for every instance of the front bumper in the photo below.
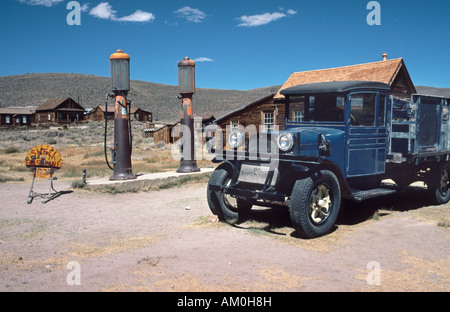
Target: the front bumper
pixel 268 195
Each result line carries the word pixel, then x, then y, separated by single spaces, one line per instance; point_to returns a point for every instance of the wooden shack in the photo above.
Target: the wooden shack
pixel 14 117
pixel 137 114
pixel 262 115
pixel 161 132
pixel 141 115
pixel 61 111
pixel 98 113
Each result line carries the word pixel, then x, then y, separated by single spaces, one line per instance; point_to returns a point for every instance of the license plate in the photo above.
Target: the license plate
pixel 255 174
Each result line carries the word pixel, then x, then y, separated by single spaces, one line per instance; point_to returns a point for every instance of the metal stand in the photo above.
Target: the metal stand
pixel 48 197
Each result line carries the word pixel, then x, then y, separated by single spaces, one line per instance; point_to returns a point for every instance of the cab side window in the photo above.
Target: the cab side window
pixel 363 109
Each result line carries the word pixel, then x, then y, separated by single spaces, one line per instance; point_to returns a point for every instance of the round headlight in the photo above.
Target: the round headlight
pixel 236 139
pixel 285 142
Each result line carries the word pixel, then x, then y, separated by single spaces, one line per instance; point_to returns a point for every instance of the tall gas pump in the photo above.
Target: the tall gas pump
pixel 120 85
pixel 186 88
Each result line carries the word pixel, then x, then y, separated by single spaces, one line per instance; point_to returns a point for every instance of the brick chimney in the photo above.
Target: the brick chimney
pixel 384 56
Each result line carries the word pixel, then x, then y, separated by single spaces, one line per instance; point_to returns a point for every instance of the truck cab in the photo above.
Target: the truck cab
pixel 336 144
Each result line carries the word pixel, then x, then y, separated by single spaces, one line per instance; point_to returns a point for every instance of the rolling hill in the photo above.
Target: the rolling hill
pixel 32 90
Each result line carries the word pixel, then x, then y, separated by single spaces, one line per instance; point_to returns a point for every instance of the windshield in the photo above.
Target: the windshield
pixel 327 107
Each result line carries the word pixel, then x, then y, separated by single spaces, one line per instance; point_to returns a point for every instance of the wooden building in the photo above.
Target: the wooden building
pixel 161 132
pixel 392 72
pixel 61 111
pixel 98 114
pixel 139 114
pixel 14 117
pixel 262 115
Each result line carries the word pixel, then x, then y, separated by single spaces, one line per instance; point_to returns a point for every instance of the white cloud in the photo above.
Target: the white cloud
pixel 85 7
pixel 202 59
pixel 190 14
pixel 47 3
pixel 261 19
pixel 138 16
pixel 105 11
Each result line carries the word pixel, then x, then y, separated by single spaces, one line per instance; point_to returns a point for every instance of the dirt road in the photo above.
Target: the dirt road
pixel 167 241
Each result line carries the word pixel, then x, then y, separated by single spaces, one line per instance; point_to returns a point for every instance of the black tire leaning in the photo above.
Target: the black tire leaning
pixel 438 183
pixel 218 203
pixel 300 204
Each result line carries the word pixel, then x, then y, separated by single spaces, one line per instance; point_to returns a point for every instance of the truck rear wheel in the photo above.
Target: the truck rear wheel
pixel 315 203
pixel 439 184
pixel 228 208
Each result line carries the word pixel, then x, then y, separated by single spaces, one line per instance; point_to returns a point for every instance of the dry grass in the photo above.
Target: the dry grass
pixel 149 277
pixel 81 148
pixel 438 215
pixel 276 225
pixel 114 246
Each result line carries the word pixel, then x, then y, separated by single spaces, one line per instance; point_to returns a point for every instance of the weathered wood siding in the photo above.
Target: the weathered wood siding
pixel 252 117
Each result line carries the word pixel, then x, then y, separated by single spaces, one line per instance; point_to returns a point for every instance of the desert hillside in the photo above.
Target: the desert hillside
pixel 32 90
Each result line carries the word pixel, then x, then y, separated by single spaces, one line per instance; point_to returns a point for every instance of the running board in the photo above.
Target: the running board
pixel 359 195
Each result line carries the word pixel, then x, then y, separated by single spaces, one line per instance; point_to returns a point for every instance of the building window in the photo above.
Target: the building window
pixel 8 119
pixel 268 122
pixel 49 117
pixel 234 124
pixel 24 120
pixel 299 115
pixel 17 120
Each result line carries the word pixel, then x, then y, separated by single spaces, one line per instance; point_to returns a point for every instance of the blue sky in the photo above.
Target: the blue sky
pixel 236 44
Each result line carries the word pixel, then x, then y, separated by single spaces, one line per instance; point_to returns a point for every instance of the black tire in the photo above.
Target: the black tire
pixel 439 184
pixel 309 218
pixel 226 207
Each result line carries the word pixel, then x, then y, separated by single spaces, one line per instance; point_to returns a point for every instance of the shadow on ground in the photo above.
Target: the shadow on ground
pixel 351 213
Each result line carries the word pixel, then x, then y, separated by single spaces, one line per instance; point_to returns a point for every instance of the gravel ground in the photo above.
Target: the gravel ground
pixel 167 240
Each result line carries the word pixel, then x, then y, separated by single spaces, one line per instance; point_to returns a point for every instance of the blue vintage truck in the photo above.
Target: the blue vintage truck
pixel 341 140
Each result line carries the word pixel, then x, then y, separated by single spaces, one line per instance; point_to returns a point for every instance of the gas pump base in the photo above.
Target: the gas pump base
pixel 188 166
pixel 123 177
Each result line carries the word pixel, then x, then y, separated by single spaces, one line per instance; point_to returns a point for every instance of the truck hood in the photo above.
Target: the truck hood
pixel 310 138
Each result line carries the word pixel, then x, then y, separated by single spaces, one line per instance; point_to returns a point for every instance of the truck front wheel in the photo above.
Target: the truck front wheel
pixel 226 207
pixel 315 203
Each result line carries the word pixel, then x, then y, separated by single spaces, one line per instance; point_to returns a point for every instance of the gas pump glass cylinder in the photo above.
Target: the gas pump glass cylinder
pixel 120 71
pixel 186 77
